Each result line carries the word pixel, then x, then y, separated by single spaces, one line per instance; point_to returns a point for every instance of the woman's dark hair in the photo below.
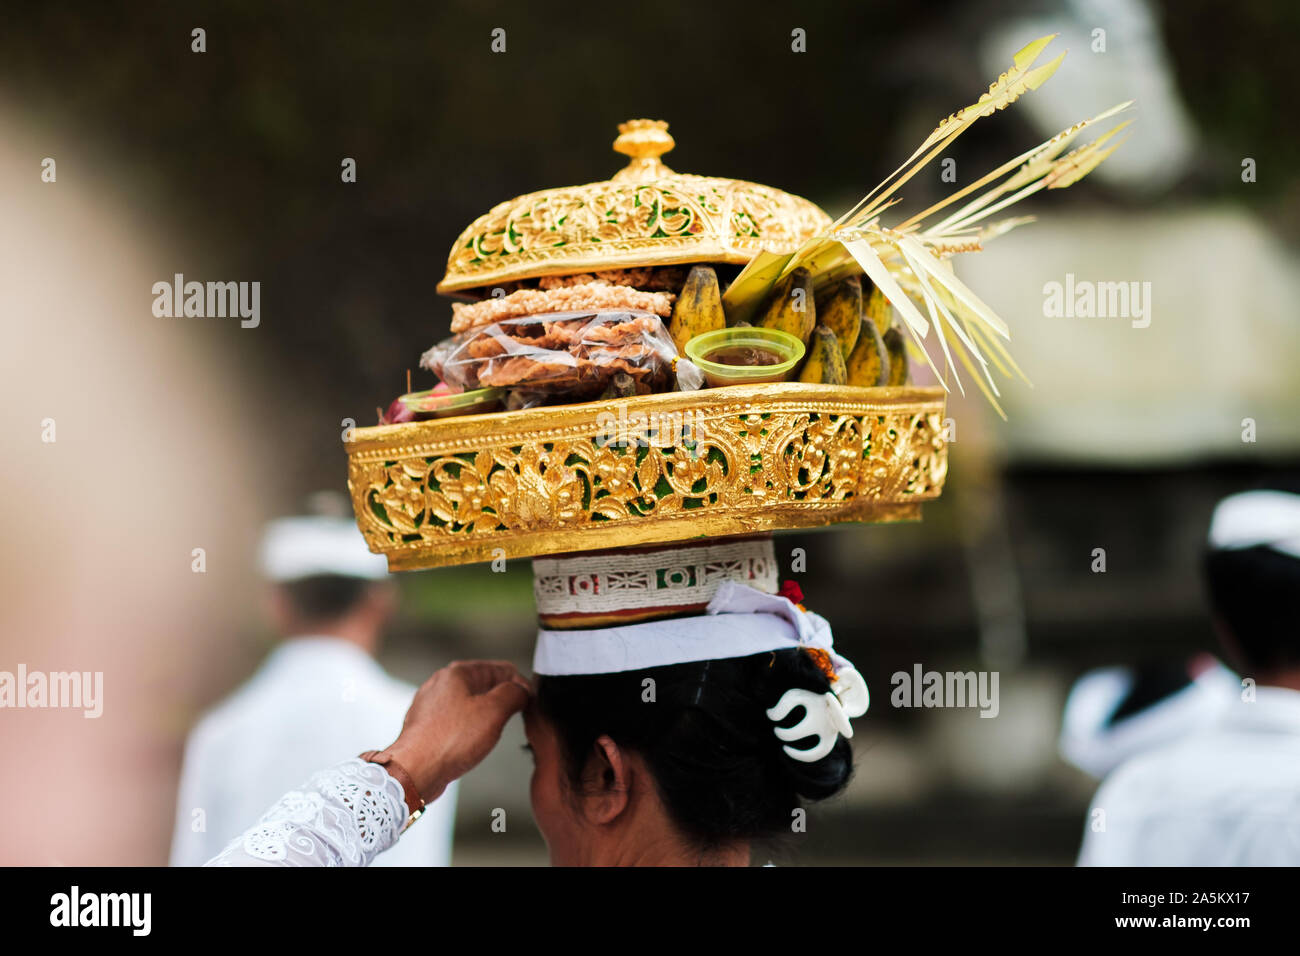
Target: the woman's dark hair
pixel 706 737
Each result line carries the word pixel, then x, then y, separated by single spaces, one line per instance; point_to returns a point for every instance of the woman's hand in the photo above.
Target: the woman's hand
pixel 455 720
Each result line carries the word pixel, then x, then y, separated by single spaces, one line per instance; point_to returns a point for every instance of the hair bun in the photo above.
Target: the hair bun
pixel 815 779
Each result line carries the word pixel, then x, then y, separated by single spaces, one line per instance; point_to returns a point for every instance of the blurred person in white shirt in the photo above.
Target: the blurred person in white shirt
pixel 1114 713
pixel 1228 792
pixel 319 696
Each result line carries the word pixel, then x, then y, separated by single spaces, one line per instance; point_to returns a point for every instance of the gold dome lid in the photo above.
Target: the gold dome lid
pixel 645 215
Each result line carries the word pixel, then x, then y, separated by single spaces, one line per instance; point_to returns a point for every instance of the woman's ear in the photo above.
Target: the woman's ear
pixel 608 781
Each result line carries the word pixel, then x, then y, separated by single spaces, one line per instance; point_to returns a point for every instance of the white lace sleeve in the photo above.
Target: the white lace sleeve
pixel 344 816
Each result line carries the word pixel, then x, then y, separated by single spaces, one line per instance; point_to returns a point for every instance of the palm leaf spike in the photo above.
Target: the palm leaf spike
pixel 935 304
pixel 1056 145
pixel 1082 161
pixel 909 284
pixel 974 315
pixel 1036 163
pixel 992 356
pixel 967 190
pixel 985 384
pixel 911 280
pixel 938 328
pixel 996 350
pixel 916 325
pixel 908 262
pixel 744 294
pixel 989 396
pixel 878 273
pixel 747 290
pixel 1002 92
pixel 947 247
pixel 976 215
pixel 1003 226
pixel 920 345
pixel 954 285
pixel 1031 81
pixel 913 286
pixel 1062 172
pixel 933 300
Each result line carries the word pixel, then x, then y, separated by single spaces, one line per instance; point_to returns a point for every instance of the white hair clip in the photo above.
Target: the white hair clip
pixel 826 715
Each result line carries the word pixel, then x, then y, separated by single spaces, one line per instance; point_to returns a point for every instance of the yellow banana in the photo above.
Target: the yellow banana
pixel 839 308
pixel 868 363
pixel 898 371
pixel 791 308
pixel 878 310
pixel 698 307
pixel 825 362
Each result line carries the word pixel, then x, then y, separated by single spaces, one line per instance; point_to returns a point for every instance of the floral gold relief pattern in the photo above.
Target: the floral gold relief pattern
pixel 611 225
pixel 646 215
pixel 598 475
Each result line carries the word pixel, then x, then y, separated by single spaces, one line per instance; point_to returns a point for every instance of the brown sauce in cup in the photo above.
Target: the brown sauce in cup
pixel 743 355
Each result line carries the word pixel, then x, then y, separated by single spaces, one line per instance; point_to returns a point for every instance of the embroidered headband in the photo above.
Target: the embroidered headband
pixel 628 585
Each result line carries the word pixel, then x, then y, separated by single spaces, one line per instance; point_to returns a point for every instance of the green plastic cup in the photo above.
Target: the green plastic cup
pixel 447 404
pixel 710 352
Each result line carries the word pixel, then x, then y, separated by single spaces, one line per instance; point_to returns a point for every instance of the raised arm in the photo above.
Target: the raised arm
pixel 349 814
pixel 344 816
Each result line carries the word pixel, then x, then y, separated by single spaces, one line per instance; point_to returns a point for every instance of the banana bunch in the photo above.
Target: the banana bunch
pixel 852 340
pixel 849 336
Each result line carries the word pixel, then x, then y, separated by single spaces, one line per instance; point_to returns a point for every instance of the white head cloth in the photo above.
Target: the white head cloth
pixel 1257 518
pixel 739 621
pixel 303 547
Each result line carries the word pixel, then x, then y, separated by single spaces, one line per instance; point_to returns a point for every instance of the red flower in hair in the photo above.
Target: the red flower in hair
pixel 791 591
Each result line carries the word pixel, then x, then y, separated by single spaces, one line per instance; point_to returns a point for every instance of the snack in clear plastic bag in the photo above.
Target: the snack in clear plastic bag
pixel 689 376
pixel 569 355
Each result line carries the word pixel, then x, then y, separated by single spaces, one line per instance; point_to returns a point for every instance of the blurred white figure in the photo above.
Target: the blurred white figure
pixel 1227 794
pixel 1115 713
pixel 319 698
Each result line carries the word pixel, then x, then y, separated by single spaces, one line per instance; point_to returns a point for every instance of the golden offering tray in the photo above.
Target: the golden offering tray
pixel 655 469
pixel 739 459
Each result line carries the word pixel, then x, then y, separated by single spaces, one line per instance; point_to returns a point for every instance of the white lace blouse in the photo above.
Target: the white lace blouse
pixel 344 816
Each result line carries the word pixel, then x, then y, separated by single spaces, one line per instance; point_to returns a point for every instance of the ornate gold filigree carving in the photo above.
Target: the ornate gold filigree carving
pixel 645 215
pixel 607 474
